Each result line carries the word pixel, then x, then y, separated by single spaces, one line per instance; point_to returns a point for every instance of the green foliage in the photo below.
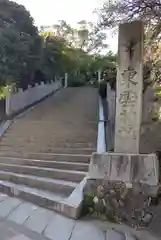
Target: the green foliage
pixel 16 15
pixel 27 56
pixel 19 43
pixel 16 55
pixel 105 63
pixel 53 57
pixel 86 36
pixel 75 82
pixel 115 12
pixel 88 205
pixel 60 57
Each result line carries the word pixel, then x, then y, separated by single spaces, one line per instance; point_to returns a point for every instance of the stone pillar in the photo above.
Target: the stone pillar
pixel 126 168
pixel 66 80
pixel 111 98
pixel 125 163
pixel 129 88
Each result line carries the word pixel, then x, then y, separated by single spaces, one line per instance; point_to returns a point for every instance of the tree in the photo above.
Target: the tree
pixel 120 11
pixel 27 56
pixel 71 49
pixel 116 12
pixel 86 36
pixel 62 30
pixel 20 44
pixel 91 39
pixel 54 57
pixel 16 15
pixel 60 55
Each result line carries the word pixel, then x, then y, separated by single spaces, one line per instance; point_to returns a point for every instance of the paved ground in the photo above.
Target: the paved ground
pixel 21 220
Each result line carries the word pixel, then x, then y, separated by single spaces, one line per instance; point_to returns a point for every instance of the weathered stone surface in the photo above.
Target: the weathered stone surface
pixel 39 219
pixel 129 236
pixel 145 169
pixel 116 202
pixel 20 237
pixel 120 168
pixel 60 228
pixel 3 197
pixel 85 230
pixel 129 88
pixel 114 235
pixel 141 168
pixel 99 166
pixel 20 214
pixel 6 233
pixel 111 99
pixel 148 104
pixel 155 223
pixel 7 206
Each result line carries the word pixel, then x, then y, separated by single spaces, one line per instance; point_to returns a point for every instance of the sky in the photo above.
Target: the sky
pixel 48 12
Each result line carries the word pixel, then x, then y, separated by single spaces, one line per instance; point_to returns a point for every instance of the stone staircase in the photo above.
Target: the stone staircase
pixel 45 153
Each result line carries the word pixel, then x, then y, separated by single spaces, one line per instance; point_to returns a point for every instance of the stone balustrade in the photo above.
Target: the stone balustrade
pixel 22 99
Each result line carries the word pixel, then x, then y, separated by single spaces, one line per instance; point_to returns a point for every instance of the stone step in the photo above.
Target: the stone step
pixel 49 164
pixel 57 131
pixel 68 175
pixel 48 184
pixel 54 127
pixel 49 142
pixel 39 197
pixel 58 139
pixel 56 119
pixel 46 149
pixel 81 158
pixel 52 124
pixel 43 144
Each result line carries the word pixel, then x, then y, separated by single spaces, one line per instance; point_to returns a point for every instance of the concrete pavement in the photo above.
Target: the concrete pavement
pixel 21 220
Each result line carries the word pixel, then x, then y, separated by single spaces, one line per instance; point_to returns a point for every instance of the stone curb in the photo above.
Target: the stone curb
pixel 72 206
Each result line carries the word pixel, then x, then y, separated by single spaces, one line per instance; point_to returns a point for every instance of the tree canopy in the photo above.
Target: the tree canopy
pixel 115 12
pixel 86 36
pixel 28 55
pixel 19 44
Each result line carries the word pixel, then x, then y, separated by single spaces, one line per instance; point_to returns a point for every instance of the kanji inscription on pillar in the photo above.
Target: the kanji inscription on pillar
pixel 129 88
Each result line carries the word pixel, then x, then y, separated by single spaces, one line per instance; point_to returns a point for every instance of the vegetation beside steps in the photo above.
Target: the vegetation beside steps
pixel 115 202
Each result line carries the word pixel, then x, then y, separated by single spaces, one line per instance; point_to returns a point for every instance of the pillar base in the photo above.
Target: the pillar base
pixel 121 187
pixel 115 201
pixel 127 168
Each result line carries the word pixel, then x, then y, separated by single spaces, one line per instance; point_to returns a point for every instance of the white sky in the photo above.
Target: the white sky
pixel 48 12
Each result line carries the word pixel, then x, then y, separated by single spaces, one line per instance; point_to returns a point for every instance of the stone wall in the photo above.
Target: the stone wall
pixel 22 99
pixel 150 127
pixel 111 100
pixel 148 105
